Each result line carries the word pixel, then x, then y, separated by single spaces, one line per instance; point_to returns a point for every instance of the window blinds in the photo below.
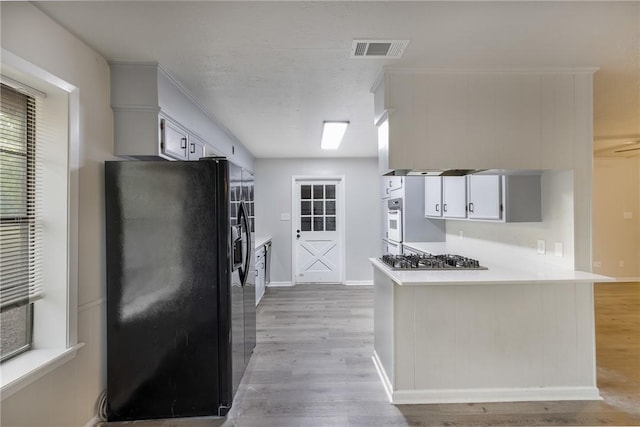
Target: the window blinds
pixel 20 202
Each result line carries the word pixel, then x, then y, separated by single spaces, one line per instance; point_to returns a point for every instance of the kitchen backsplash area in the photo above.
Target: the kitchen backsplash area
pixel 517 243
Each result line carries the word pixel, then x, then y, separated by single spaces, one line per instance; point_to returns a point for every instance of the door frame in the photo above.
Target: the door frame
pixel 340 219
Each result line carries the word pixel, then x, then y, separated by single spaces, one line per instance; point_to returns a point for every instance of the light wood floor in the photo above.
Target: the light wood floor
pixel 312 367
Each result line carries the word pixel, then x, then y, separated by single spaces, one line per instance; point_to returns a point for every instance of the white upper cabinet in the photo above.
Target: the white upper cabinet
pixel 483 120
pixel 503 198
pixel 454 196
pixel 154 117
pixel 392 186
pixel 433 196
pixel 484 197
pixel 195 148
pixel 173 139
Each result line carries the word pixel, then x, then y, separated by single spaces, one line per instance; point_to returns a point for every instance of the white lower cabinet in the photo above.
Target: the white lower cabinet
pixel 260 273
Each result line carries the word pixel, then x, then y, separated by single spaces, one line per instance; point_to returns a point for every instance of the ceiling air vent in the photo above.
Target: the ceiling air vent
pixel 378 48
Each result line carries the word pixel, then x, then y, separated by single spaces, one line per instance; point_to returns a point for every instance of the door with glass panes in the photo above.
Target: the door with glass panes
pixel 317 222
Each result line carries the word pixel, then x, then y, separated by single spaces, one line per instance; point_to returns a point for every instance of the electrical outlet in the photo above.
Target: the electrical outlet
pixel 541 247
pixel 627 215
pixel 597 264
pixel 461 234
pixel 621 263
pixel 558 249
pixel 285 217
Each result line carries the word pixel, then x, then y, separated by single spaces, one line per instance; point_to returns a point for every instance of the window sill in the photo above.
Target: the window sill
pixel 19 372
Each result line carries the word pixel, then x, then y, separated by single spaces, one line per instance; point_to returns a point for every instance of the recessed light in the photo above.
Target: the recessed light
pixel 332 133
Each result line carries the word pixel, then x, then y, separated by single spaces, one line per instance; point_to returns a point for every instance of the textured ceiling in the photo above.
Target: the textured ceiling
pixel 273 71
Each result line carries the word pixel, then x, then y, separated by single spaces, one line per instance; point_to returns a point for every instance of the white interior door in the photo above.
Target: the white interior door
pixel 318 231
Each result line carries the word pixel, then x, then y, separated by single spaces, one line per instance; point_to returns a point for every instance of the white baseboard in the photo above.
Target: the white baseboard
pixel 383 376
pixel 92 422
pixel 528 394
pixel 403 397
pixel 359 283
pixel 279 284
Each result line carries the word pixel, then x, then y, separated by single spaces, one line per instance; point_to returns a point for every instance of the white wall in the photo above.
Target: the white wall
pixel 273 197
pixel 518 241
pixel 66 396
pixel 616 190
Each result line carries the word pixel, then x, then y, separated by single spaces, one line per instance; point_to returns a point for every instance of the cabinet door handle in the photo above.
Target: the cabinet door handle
pixel 193 148
pixel 437 207
pixel 183 143
pixel 470 207
pixel 444 207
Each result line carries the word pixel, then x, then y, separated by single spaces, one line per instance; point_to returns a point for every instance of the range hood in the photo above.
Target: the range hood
pixel 433 172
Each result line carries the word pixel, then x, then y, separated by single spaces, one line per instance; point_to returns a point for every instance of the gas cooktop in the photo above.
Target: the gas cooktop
pixel 431 262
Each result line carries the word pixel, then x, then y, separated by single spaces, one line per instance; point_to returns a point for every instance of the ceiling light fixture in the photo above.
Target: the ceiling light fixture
pixel 332 133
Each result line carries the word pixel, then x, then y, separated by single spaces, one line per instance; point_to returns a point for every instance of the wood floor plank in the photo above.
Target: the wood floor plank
pixel 312 368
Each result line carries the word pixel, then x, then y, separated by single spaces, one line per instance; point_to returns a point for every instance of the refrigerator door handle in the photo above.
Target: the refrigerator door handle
pixel 236 246
pixel 244 271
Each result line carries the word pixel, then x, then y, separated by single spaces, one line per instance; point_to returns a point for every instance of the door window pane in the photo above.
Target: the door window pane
pixel 330 208
pixel 305 207
pixel 318 223
pixel 305 192
pixel 318 208
pixel 331 191
pixel 331 223
pixel 305 223
pixel 318 191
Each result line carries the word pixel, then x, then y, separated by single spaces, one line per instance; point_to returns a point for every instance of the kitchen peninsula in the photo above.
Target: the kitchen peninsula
pixel 501 334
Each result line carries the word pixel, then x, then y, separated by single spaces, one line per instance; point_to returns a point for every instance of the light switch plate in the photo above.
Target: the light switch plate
pixel 627 215
pixel 285 216
pixel 541 247
pixel 558 249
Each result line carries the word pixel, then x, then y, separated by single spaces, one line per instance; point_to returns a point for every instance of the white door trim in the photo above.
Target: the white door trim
pixel 340 217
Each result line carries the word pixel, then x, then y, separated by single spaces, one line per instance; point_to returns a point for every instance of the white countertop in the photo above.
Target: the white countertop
pixel 261 240
pixel 495 274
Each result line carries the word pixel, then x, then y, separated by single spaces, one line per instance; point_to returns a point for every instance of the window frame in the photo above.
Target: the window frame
pixel 29 214
pixel 55 332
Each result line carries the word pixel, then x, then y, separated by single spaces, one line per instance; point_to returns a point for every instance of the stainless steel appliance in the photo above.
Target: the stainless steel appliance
pixel 431 262
pixel 180 286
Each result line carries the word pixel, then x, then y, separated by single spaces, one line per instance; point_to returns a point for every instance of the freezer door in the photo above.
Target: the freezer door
pixel 237 291
pixel 249 289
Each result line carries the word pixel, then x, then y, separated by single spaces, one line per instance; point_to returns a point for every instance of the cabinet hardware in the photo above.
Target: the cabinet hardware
pixel 193 148
pixel 444 207
pixel 183 142
pixel 470 207
pixel 437 207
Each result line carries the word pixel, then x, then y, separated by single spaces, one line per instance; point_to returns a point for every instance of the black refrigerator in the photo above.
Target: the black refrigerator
pixel 181 319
